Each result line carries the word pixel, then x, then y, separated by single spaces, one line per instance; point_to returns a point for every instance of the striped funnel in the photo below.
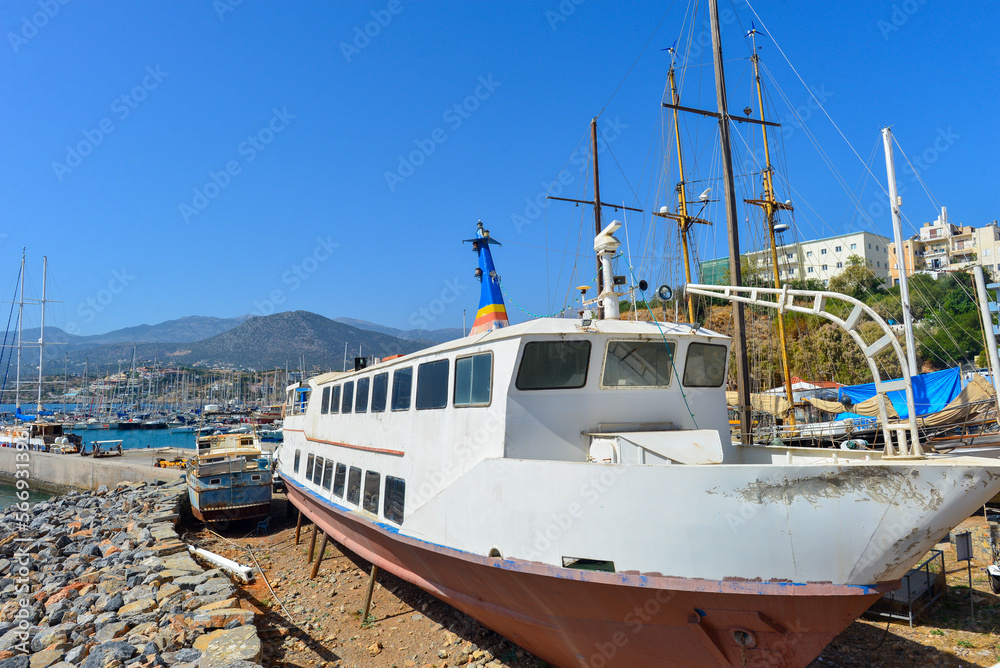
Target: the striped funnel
pixel 492 313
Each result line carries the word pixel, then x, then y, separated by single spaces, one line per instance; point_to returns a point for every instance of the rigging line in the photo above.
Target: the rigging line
pixel 583 185
pixel 636 61
pixel 571 253
pixel 864 182
pixel 916 173
pixel 822 153
pixel 613 157
pixel 670 353
pixel 10 355
pixel 802 81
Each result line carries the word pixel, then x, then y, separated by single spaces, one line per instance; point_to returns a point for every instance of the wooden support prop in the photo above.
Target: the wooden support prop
pixel 298 527
pixel 312 544
pixel 368 596
pixel 319 557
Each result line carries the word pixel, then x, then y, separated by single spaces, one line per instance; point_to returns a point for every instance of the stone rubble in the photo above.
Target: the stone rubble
pixel 102 580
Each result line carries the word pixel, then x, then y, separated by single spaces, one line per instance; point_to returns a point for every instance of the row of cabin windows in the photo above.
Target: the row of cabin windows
pixel 550 365
pixel 545 365
pixel 472 386
pixel 338 479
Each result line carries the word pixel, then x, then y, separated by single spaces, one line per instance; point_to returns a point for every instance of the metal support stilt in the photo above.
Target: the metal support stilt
pixel 319 557
pixel 298 527
pixel 368 596
pixel 312 544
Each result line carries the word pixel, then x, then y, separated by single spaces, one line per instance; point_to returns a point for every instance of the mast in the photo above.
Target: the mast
pixel 897 233
pixel 41 336
pixel 20 321
pixel 739 322
pixel 771 206
pixel 684 221
pixel 597 203
pixel 597 216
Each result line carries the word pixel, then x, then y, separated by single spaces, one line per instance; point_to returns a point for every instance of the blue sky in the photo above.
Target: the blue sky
pixel 222 158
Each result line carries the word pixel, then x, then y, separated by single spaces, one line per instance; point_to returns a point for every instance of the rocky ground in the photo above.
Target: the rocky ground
pixel 101 580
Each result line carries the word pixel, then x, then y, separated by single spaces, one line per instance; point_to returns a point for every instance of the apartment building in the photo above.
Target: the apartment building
pixel 819 259
pixel 941 246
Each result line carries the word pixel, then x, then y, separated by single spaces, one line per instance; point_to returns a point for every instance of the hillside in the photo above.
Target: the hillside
pixel 266 342
pixel 275 340
pixel 435 335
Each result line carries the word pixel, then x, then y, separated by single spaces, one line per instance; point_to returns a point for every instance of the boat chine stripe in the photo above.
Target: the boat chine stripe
pixel 348 445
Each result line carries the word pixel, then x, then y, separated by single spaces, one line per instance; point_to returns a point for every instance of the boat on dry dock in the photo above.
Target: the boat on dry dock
pixel 571 483
pixel 229 479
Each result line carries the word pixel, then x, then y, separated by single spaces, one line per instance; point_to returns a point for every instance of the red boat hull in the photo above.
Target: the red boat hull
pixel 573 618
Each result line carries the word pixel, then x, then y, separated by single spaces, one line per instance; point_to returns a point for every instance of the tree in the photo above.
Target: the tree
pixel 856 279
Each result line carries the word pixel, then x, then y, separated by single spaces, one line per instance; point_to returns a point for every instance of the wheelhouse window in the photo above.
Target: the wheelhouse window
pixel 318 472
pixel 354 485
pixel 380 387
pixel 348 400
pixel 338 480
pixel 295 464
pixel 327 474
pixel 473 380
pixel 309 466
pixel 638 364
pixel 705 365
pixel 553 365
pixel 325 403
pixel 394 499
pixel 373 481
pixel 402 388
pixel 335 400
pixel 361 401
pixel 432 385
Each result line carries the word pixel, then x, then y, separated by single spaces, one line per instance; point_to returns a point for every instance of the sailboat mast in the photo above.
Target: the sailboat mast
pixel 41 337
pixel 771 207
pixel 684 223
pixel 739 321
pixel 597 216
pixel 897 234
pixel 20 321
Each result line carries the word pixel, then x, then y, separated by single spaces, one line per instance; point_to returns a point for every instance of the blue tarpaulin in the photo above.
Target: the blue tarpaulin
pixel 931 393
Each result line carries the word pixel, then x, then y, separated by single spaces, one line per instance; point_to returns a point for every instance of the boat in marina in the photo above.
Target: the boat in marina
pixel 229 479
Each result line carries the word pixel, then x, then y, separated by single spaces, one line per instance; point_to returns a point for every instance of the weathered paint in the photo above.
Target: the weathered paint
pixel 582 618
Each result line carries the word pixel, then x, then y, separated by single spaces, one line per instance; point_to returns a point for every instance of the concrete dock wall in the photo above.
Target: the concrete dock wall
pixel 48 471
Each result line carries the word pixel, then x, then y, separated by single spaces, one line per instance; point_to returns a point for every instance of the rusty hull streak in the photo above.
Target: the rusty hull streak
pixel 883 484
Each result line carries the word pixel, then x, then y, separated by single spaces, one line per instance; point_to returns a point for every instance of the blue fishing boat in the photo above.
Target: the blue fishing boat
pixel 229 479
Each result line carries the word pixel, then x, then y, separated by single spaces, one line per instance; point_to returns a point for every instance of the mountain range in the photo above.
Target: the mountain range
pixel 257 342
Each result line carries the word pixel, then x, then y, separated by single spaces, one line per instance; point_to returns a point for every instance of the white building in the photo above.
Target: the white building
pixel 820 259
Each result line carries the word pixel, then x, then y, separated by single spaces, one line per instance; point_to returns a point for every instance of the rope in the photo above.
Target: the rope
pixel 670 353
pixel 636 61
pixel 6 371
pixel 524 310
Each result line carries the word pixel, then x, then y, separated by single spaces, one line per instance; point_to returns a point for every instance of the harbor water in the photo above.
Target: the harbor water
pixel 8 495
pixel 140 438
